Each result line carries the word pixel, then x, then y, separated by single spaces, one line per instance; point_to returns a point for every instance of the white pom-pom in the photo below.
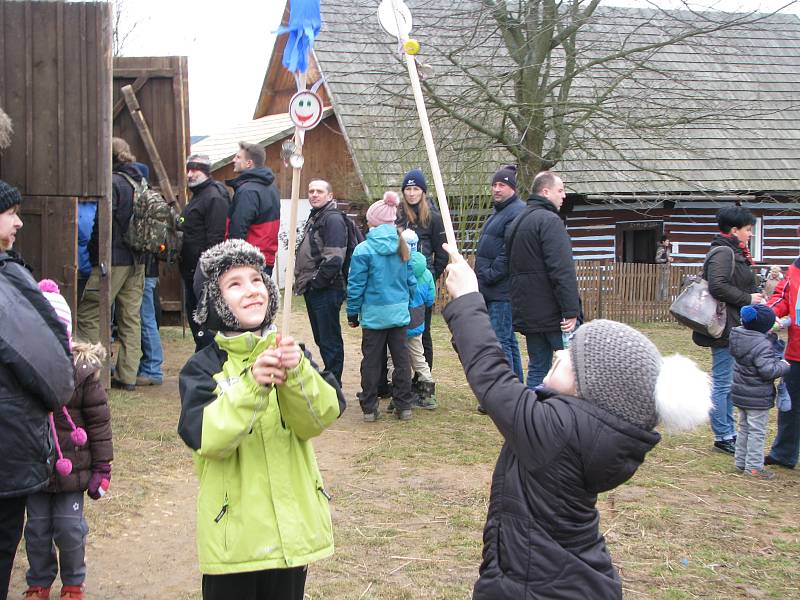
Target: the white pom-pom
pixel 683 394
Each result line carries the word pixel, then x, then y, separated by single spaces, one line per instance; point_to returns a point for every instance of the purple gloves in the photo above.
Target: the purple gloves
pixel 98 482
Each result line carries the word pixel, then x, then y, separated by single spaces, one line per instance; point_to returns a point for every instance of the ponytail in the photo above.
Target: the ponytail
pixel 403 250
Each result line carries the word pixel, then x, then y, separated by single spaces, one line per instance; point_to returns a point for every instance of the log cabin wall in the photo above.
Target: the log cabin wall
pixel 597 231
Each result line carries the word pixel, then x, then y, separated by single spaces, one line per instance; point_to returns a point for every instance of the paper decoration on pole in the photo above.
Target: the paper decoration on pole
pixel 395 18
pixel 305 109
pixel 303 28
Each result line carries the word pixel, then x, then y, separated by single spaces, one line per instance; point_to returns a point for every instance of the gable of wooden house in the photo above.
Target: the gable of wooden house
pixel 626 187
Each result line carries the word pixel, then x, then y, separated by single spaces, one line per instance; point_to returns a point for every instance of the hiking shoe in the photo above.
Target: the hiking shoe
pixel 759 473
pixel 142 380
pixel 38 592
pixel 404 415
pixel 768 460
pixel 371 417
pixel 72 592
pixel 118 385
pixel 427 397
pixel 725 446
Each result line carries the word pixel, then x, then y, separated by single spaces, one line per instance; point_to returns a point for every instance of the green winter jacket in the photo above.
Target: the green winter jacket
pixel 261 503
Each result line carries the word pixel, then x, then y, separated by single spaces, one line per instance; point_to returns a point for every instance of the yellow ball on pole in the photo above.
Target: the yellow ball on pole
pixel 411 47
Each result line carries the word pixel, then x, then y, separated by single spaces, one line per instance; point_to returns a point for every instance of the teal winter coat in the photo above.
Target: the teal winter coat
pixel 380 284
pixel 425 296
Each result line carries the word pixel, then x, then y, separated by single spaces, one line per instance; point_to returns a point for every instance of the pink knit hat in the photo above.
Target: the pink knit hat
pixel 384 211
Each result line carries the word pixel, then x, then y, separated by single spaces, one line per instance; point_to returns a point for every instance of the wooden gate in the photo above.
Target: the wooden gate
pixel 55 85
pixel 160 85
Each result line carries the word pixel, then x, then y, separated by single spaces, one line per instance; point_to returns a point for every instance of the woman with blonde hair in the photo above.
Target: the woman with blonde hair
pixel 418 214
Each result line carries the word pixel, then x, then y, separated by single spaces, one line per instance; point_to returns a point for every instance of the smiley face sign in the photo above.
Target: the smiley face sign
pixel 305 109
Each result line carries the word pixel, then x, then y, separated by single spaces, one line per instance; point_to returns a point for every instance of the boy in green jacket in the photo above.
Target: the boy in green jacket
pixel 250 403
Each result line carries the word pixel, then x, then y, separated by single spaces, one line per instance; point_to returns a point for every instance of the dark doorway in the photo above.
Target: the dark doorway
pixel 637 241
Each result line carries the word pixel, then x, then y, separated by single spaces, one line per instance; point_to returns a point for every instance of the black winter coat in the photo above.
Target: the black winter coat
pixel 544 286
pixel 255 211
pixel 121 211
pixel 431 238
pixel 35 378
pixel 322 251
pixel 491 258
pixel 203 223
pixel 733 290
pixel 758 364
pixel 542 537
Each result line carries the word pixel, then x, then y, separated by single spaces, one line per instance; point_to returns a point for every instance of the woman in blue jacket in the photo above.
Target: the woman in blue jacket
pixel 379 287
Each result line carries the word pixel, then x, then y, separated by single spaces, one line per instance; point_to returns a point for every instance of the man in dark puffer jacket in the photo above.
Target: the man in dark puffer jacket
pixel 491 262
pixel 35 378
pixel 586 432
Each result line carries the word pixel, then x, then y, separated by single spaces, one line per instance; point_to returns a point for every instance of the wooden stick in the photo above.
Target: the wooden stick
pixel 432 158
pixel 149 143
pixel 288 282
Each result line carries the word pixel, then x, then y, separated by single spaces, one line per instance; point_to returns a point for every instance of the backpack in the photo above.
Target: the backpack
pixel 354 238
pixel 153 226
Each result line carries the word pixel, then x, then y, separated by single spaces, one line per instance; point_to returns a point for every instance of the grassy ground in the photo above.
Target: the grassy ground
pixel 410 501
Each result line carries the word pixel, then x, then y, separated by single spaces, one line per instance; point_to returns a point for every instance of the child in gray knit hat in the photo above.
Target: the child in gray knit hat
pixel 250 403
pixel 586 432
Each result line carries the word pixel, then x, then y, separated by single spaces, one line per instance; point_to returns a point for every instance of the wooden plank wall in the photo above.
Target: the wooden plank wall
pixel 55 78
pixel 690 230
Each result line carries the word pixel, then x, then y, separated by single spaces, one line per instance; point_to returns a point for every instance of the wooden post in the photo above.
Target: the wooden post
pixel 432 158
pixel 149 143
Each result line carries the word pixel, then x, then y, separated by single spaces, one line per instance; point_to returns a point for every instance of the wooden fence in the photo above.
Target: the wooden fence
pixel 627 292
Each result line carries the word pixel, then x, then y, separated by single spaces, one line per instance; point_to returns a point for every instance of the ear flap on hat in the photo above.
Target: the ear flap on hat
pixel 683 394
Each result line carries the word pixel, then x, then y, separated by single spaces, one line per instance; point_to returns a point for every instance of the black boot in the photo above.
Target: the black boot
pixel 427 398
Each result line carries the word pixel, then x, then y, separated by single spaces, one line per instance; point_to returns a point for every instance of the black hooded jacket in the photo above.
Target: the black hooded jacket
pixel 203 222
pixel 36 376
pixel 255 211
pixel 542 537
pixel 544 287
pixel 121 211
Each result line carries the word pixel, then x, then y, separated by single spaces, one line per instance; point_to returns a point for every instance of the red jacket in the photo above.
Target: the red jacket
pixel 783 301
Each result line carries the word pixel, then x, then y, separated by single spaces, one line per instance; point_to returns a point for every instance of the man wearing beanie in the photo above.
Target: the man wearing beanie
pixel 203 224
pixel 758 363
pixel 491 262
pixel 586 431
pixel 36 377
pixel 544 288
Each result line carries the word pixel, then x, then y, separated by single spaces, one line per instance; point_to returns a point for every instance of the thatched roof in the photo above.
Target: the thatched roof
pixel 749 76
pixel 5 130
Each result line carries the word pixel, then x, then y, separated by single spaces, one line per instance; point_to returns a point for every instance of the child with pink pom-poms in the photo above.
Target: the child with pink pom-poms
pixel 82 440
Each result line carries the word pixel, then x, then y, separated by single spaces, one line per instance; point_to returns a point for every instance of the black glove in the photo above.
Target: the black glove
pixel 352 320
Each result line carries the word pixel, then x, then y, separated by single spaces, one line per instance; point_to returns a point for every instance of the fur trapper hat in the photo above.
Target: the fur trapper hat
pixel 212 311
pixel 621 371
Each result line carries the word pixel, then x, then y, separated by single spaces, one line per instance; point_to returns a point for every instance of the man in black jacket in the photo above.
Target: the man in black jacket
pixel 544 288
pixel 318 273
pixel 36 377
pixel 255 211
pixel 491 262
pixel 203 223
pixel 126 273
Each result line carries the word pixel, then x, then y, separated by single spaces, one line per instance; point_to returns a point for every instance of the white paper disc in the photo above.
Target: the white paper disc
pixel 395 18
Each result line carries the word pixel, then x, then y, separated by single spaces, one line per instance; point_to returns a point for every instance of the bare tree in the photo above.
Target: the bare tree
pixel 122 28
pixel 540 77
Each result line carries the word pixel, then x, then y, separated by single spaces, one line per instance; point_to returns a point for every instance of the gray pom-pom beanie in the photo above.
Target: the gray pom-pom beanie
pixel 212 310
pixel 616 368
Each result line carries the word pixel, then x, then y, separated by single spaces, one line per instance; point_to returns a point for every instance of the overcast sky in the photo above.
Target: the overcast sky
pixel 229 46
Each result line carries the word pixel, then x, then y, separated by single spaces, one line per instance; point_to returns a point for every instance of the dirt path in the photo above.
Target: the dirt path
pixel 149 552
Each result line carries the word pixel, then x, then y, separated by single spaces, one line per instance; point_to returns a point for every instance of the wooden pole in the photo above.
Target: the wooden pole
pixel 288 282
pixel 149 143
pixel 432 158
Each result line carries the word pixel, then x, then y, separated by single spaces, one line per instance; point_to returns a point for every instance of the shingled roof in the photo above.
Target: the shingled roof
pixel 748 140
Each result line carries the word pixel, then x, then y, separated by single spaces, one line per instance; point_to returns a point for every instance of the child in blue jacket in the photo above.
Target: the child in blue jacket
pixel 425 392
pixel 380 286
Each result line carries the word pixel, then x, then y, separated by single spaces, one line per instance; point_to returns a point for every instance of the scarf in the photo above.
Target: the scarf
pixel 744 248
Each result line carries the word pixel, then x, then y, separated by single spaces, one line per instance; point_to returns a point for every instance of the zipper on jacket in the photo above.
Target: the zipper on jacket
pixel 322 491
pixel 223 511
